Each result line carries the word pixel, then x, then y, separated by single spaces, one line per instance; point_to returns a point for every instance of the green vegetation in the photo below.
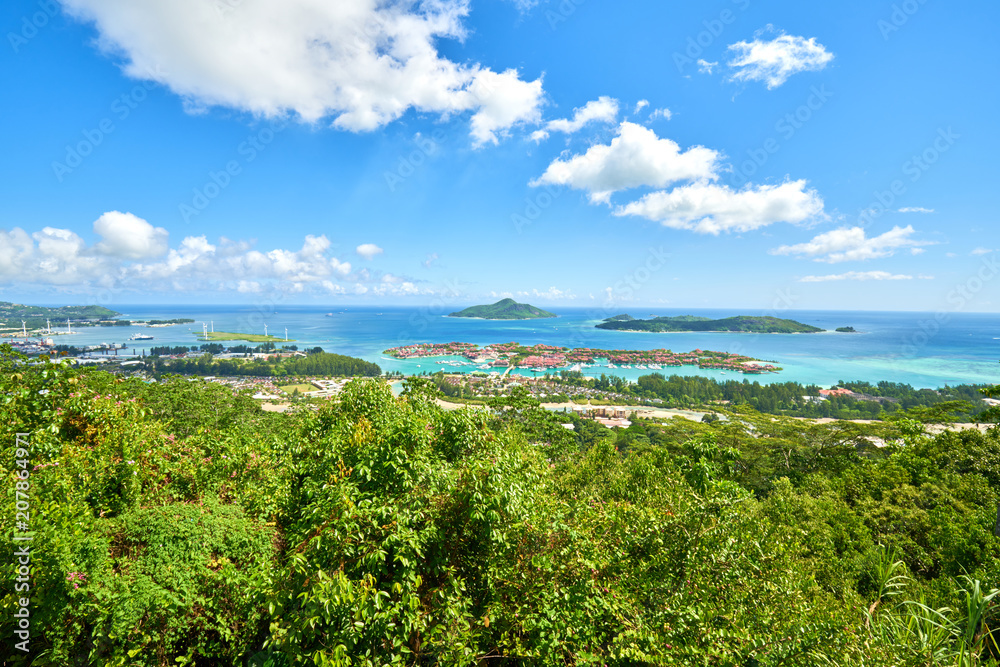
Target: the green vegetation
pixel 845 330
pixel 742 323
pixel 301 387
pixel 11 314
pixel 624 317
pixel 179 320
pixel 882 400
pixel 177 523
pixel 317 364
pixel 250 338
pixel 505 309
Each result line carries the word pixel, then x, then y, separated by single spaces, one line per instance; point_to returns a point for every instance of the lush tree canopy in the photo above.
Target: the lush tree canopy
pixel 176 523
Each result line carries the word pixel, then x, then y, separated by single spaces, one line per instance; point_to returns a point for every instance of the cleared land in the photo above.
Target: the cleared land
pixel 302 387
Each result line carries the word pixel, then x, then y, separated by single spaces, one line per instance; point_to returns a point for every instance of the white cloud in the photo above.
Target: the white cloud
pixel 524 5
pixel 857 275
pixel 852 244
pixel 552 293
pixel 431 258
pixel 604 109
pixel 706 67
pixel 773 61
pixel 636 157
pixel 368 250
pixel 359 64
pixel 248 287
pixel 661 113
pixel 981 251
pixel 915 209
pixel 712 209
pixel 917 251
pixel 129 237
pixel 640 105
pixel 504 100
pixel 61 257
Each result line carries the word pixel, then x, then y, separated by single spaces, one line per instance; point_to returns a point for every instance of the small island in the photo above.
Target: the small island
pixel 690 323
pixel 217 336
pixel 167 323
pixel 505 309
pixel 845 330
pixel 619 318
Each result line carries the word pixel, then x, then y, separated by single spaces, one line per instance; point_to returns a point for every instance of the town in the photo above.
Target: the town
pixel 547 357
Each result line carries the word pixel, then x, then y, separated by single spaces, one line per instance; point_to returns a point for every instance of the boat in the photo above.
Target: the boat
pixel 140 337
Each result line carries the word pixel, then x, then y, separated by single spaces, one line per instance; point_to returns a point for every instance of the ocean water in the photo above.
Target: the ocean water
pixel 920 349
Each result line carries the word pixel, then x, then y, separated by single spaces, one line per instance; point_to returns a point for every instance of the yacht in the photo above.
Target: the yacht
pixel 140 336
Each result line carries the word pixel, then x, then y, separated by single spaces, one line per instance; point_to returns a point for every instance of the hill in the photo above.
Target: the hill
pixel 741 323
pixel 391 529
pixel 11 314
pixel 505 309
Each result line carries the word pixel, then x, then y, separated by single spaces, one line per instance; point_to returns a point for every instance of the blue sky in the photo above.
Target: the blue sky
pixel 729 154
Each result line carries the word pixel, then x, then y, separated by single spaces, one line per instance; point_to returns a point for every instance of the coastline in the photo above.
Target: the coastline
pixel 500 319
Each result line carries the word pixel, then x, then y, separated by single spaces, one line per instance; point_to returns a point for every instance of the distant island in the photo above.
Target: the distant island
pixel 11 314
pixel 167 323
pixel 740 324
pixel 505 309
pixel 845 330
pixel 620 318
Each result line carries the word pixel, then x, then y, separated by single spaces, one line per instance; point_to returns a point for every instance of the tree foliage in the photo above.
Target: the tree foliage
pixel 176 523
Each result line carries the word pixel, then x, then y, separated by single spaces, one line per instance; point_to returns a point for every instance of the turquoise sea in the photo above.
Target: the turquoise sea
pixel 920 349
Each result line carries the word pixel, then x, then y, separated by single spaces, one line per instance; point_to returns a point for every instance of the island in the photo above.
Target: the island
pixel 505 309
pixel 167 323
pixel 250 338
pixel 845 330
pixel 541 358
pixel 688 323
pixel 619 318
pixel 12 314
